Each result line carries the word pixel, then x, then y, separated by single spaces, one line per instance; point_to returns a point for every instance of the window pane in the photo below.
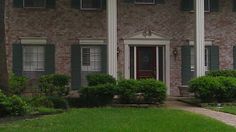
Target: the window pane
pixel 91 3
pixel 86 56
pixel 91 59
pixel 33 58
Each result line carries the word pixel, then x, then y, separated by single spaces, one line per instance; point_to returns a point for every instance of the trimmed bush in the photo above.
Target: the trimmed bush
pixel 127 90
pixel 213 89
pixel 59 102
pixel 224 73
pixel 41 101
pixel 153 90
pixel 4 105
pixel 98 95
pixel 100 78
pixel 141 91
pixel 54 85
pixel 17 84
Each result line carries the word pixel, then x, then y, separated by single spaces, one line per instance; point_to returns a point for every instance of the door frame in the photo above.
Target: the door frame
pixel 145 42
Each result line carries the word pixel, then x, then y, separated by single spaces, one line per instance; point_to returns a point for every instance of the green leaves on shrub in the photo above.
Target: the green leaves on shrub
pixel 49 102
pixel 13 105
pixel 17 84
pixel 98 95
pixel 54 85
pixel 153 91
pixel 100 78
pixel 214 89
pixel 224 73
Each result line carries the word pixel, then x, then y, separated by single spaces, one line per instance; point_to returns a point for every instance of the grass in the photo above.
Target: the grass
pixel 119 120
pixel 226 109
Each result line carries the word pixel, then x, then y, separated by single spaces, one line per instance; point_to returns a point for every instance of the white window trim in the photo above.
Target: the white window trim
pixel 34 7
pixel 33 40
pixel 92 41
pixel 90 9
pixel 145 3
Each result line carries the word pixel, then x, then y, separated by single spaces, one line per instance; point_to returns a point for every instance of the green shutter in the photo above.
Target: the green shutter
pixel 18 3
pixel 75 67
pixel 214 5
pixel 160 1
pixel 17 59
pixel 214 58
pixel 186 64
pixel 234 57
pixel 75 4
pixel 187 5
pixel 104 58
pixel 104 4
pixel 51 4
pixel 49 59
pixel 234 5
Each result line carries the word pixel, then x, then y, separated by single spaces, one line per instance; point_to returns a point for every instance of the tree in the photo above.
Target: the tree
pixel 3 62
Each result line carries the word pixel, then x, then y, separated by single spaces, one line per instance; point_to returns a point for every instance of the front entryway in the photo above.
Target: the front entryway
pixel 147 62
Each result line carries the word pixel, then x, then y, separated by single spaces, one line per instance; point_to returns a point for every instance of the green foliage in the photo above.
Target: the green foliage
pixel 17 84
pixel 149 90
pixel 153 90
pixel 127 89
pixel 54 85
pixel 59 102
pixel 41 101
pixel 214 89
pixel 224 73
pixel 100 78
pixel 98 95
pixel 13 105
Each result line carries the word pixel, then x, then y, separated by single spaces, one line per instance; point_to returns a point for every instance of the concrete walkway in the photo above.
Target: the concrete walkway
pixel 223 117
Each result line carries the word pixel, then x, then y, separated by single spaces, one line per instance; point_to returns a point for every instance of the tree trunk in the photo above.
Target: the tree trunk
pixel 3 62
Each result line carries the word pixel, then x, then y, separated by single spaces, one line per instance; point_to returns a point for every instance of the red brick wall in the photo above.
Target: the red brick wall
pixel 64 26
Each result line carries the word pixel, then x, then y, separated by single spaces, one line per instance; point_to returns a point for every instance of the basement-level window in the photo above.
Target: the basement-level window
pixel 90 4
pixel 34 3
pixel 144 1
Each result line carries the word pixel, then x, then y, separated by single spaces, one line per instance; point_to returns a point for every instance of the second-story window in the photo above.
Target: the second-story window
pixel 90 4
pixel 144 1
pixel 34 3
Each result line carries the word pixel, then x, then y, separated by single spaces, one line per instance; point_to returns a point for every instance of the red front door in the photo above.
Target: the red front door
pixel 146 62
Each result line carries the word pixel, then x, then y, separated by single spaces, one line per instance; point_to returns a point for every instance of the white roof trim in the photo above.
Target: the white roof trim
pixel 140 36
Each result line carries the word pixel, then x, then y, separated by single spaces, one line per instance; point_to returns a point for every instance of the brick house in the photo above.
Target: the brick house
pixel 128 38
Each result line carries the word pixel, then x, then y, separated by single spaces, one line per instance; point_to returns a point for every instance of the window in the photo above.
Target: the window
pixel 144 1
pixel 91 4
pixel 33 58
pixel 91 58
pixel 34 3
pixel 192 53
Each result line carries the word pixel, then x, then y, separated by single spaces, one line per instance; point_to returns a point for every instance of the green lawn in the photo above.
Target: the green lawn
pixel 119 120
pixel 227 109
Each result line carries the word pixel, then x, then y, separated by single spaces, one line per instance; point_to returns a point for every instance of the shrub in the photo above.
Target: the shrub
pixel 100 78
pixel 54 85
pixel 153 90
pixel 59 102
pixel 213 89
pixel 17 84
pixel 41 101
pixel 127 90
pixel 18 106
pixel 13 105
pixel 224 73
pixel 98 95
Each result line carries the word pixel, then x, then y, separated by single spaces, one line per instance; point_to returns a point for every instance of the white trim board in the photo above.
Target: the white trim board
pixel 92 41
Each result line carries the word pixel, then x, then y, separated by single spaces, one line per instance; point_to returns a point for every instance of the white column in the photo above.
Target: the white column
pixel 112 37
pixel 199 39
